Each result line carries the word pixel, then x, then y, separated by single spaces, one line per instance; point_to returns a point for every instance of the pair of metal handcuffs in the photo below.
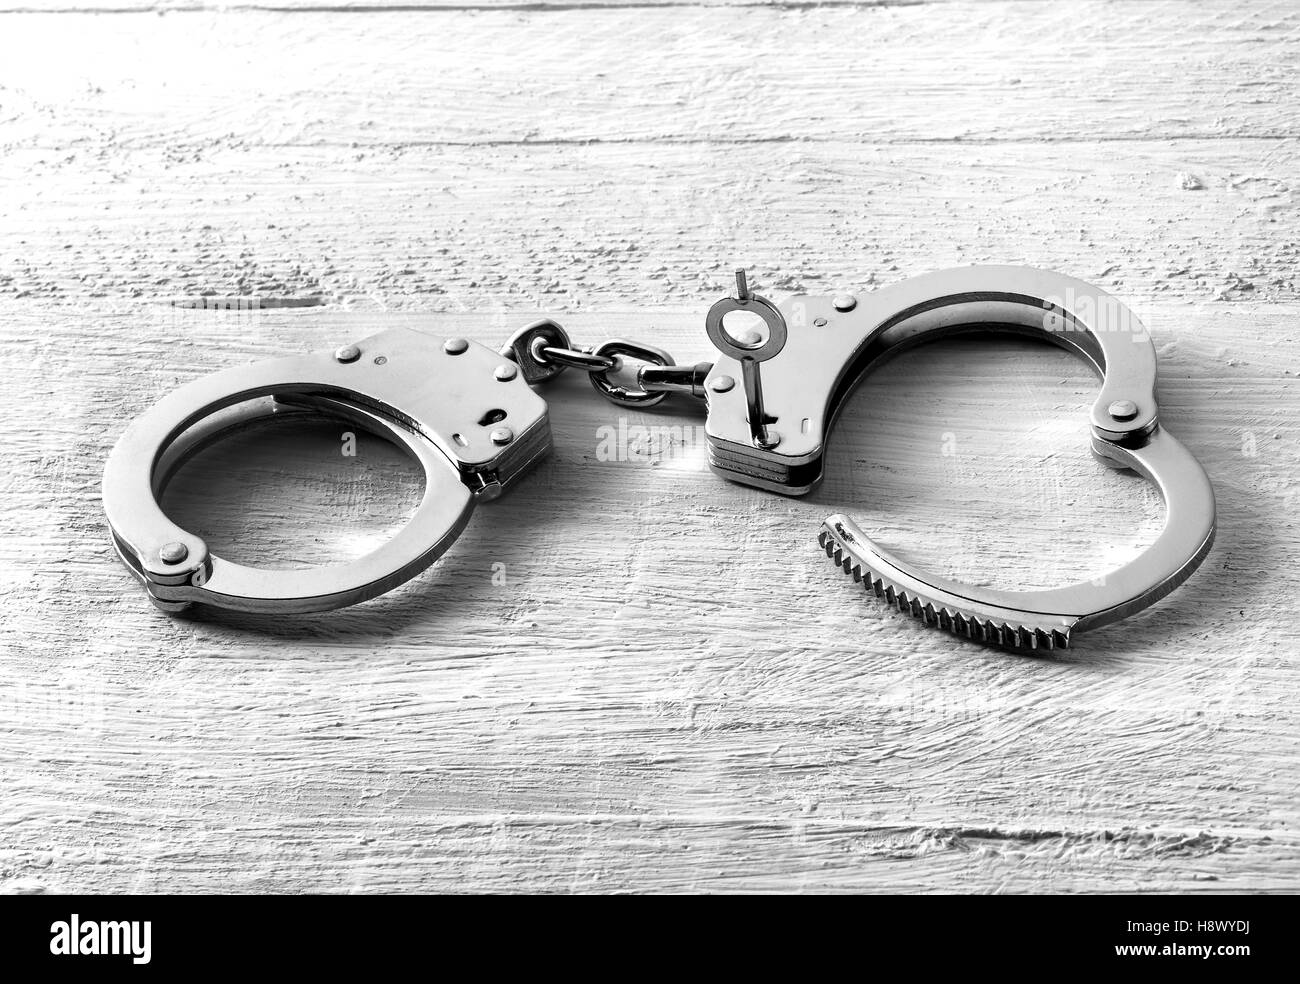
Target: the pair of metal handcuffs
pixel 470 416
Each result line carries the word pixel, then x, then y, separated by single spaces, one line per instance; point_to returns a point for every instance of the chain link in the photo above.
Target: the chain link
pixel 581 358
pixel 543 350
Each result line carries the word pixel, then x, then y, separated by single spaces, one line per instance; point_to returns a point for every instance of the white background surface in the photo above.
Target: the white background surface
pixel 667 686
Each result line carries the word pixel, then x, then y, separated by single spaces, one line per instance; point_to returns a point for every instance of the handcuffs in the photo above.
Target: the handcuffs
pixel 470 416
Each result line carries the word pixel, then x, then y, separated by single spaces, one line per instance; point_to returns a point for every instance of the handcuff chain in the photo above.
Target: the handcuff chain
pixel 579 358
pixel 543 350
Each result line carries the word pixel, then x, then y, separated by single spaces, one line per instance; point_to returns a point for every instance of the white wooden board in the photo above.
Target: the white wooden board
pixel 629 675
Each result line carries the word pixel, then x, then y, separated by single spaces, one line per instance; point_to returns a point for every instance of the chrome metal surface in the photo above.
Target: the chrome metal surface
pixel 805 388
pixel 750 349
pixel 448 427
pixel 1123 409
pixel 749 303
pixel 622 395
pixel 173 553
pixel 525 347
pixel 474 424
pixel 656 378
pixel 583 359
pixel 687 380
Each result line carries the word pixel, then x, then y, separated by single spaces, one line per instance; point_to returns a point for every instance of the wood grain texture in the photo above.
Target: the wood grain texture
pixel 1043 72
pixel 629 675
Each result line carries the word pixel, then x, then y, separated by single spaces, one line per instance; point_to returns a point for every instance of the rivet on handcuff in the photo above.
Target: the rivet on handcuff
pixel 470 417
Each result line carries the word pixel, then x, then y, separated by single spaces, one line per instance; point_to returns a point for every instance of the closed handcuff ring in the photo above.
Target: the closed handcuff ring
pixel 459 408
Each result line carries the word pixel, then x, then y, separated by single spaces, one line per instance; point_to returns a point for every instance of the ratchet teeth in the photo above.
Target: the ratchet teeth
pixel 942 615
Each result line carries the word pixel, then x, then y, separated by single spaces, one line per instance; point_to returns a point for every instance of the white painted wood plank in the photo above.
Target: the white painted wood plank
pixel 969 73
pixel 589 227
pixel 631 709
